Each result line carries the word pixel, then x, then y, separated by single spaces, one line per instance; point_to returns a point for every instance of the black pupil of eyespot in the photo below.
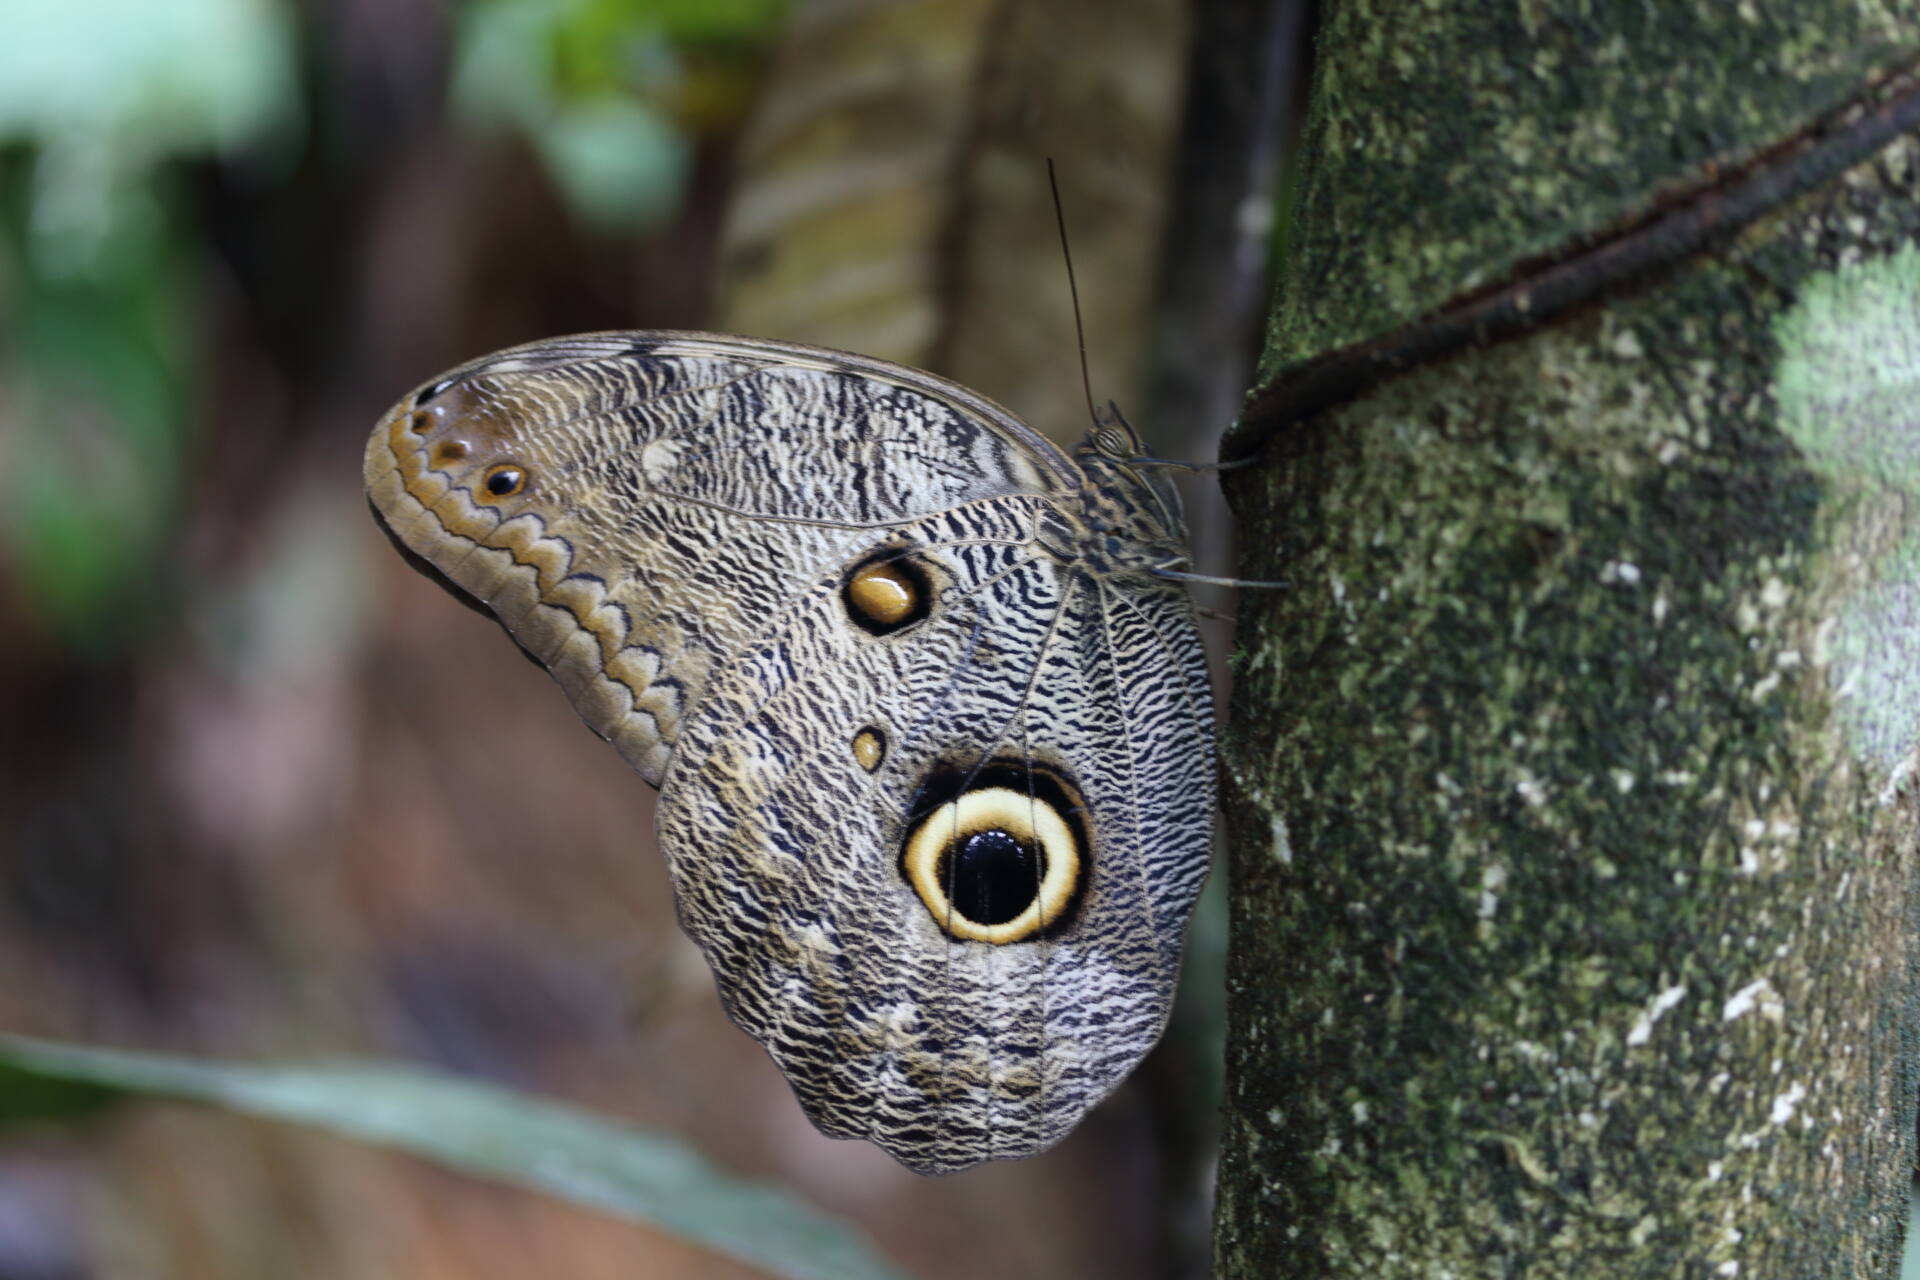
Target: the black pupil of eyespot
pixel 501 483
pixel 994 877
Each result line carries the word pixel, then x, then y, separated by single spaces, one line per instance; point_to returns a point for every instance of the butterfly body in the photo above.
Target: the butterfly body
pixel 933 742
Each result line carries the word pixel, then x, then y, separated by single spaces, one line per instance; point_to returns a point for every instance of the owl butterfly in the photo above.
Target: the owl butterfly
pixel 933 739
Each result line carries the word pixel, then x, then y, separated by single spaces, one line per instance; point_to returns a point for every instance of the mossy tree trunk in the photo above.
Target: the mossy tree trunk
pixel 1574 836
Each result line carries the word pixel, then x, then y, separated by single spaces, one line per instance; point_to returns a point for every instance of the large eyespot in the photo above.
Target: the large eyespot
pixel 887 592
pixel 504 480
pixel 999 856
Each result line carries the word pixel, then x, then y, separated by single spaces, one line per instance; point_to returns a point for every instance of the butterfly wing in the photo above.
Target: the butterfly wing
pixel 792 857
pixel 630 506
pixel 679 531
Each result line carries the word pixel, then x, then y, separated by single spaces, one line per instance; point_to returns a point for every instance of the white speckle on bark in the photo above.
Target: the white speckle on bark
pixel 1758 994
pixel 1642 1029
pixel 1623 572
pixel 1492 880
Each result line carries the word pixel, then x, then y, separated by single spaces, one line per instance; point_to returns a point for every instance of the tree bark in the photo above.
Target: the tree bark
pixel 1574 835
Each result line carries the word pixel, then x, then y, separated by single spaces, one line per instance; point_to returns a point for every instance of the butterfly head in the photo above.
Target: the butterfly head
pixel 1112 436
pixel 1132 515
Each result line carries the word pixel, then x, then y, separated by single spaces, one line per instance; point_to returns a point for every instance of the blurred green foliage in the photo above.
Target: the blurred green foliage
pixel 106 90
pixel 94 383
pixel 605 90
pixel 100 308
pixel 97 304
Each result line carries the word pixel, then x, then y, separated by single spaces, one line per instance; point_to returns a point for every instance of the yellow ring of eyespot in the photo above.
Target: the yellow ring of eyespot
pixel 884 594
pixel 1028 819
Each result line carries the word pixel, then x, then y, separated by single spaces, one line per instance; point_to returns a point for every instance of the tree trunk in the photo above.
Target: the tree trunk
pixel 1574 835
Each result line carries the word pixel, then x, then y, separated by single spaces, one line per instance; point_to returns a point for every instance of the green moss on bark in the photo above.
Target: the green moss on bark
pixel 1574 914
pixel 1449 143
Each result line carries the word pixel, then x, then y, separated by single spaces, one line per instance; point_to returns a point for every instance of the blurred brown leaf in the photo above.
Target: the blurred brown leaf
pixel 892 191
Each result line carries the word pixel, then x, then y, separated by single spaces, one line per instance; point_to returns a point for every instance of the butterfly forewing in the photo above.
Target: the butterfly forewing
pixel 624 564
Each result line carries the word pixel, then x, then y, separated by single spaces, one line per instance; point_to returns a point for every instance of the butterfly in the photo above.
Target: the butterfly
pixel 922 692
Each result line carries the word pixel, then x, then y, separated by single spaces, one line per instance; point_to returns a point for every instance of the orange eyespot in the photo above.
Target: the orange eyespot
pixel 882 593
pixel 869 748
pixel 887 592
pixel 504 480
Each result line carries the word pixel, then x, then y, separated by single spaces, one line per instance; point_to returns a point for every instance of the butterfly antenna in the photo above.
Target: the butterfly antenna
pixel 1073 290
pixel 1176 575
pixel 1191 468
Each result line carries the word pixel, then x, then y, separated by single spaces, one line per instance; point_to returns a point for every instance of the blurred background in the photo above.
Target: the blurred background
pixel 267 794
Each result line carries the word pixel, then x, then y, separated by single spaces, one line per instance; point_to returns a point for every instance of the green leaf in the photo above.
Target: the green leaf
pixel 572 1154
pixel 29 1097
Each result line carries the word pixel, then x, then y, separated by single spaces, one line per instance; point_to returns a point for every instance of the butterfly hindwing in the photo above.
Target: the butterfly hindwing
pixel 788 852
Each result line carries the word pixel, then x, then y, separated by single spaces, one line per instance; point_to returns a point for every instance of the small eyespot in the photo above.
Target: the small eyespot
pixel 886 593
pixel 869 748
pixel 505 480
pixel 418 422
pixel 449 451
